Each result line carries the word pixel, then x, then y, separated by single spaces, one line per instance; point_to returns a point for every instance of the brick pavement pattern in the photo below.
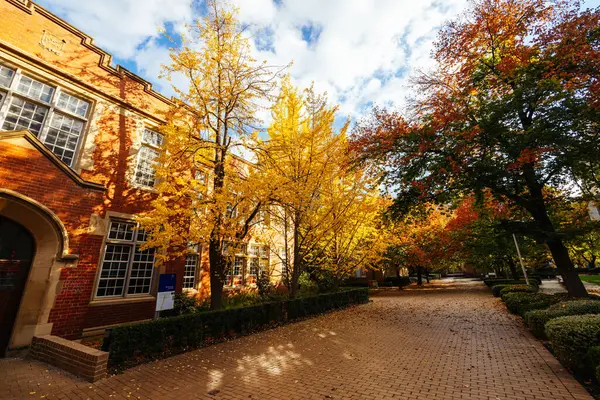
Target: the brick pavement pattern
pixel 448 341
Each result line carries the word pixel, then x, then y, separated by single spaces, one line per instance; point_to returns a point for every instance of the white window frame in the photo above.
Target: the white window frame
pixel 133 244
pixel 52 107
pixel 193 277
pixel 152 147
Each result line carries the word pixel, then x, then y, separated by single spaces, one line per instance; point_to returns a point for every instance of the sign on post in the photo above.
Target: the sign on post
pixel 165 300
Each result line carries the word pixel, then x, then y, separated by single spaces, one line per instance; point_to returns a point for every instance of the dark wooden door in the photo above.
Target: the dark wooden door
pixel 16 253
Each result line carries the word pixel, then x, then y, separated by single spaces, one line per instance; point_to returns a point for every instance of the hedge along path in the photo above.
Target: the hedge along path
pixel 136 343
pixel 449 343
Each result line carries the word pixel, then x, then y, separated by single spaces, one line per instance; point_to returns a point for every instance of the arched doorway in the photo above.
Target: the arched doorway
pixel 17 248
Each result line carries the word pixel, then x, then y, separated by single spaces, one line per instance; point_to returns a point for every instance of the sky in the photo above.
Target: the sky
pixel 361 52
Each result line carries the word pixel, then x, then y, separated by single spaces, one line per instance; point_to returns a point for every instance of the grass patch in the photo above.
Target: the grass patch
pixel 595 279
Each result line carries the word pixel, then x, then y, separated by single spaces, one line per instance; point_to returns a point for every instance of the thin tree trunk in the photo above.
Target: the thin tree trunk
pixel 419 276
pixel 513 268
pixel 398 276
pixel 297 261
pixel 427 274
pixel 217 262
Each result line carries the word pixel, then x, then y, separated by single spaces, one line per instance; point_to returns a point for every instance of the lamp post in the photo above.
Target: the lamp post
pixel 521 260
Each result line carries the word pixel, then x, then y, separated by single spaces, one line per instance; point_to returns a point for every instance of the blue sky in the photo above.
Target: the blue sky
pixel 358 51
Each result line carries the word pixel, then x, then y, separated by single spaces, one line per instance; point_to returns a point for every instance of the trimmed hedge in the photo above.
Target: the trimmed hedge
pixel 519 289
pixel 135 343
pixel 572 337
pixel 495 281
pixel 497 288
pixel 396 281
pixel 519 302
pixel 536 320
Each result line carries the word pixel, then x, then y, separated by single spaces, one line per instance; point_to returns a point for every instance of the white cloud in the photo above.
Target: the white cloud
pixel 121 26
pixel 363 50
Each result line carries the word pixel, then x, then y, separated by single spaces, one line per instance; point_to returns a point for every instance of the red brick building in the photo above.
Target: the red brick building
pixel 77 139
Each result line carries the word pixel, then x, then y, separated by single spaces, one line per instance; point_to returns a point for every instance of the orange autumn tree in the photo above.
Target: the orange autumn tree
pixel 510 108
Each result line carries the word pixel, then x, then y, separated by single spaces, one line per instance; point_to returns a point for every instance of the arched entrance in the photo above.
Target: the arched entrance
pixel 46 240
pixel 17 248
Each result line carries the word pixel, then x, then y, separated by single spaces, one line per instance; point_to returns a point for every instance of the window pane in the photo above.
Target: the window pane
pixel 189 271
pixel 35 89
pixel 114 270
pixel 152 138
pixel 24 115
pixel 63 135
pixel 254 266
pixel 141 271
pixel 72 104
pixel 6 75
pixel 144 170
pixel 264 251
pixel 238 265
pixel 121 230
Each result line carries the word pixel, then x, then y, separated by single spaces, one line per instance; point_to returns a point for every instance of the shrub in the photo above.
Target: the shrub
pixel 536 320
pixel 263 284
pixel 519 302
pixel 572 336
pixel 497 288
pixel 306 285
pixel 495 281
pixel 135 343
pixel 398 281
pixel 519 289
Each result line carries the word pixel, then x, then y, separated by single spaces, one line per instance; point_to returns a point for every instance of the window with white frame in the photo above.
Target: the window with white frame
pixel 54 116
pixel 145 172
pixel 238 266
pixel 283 261
pixel 258 259
pixel 6 75
pixel 125 268
pixel 189 271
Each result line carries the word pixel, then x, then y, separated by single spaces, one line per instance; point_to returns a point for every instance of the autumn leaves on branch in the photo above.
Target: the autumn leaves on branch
pixel 221 184
pixel 510 111
pixel 496 137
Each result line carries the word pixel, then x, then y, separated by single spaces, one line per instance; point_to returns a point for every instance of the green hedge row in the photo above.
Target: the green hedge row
pixel 519 303
pixel 499 290
pixel 537 320
pixel 573 338
pixel 495 281
pixel 132 344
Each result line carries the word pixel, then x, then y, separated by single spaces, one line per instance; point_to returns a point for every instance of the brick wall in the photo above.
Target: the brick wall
pixel 109 150
pixel 111 314
pixel 73 357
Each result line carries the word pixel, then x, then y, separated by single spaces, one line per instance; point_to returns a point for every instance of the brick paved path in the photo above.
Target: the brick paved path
pixel 448 342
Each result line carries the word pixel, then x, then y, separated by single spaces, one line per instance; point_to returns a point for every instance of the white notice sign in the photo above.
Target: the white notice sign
pixel 165 301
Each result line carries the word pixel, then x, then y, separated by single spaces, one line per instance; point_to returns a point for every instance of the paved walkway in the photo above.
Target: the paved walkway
pixel 450 341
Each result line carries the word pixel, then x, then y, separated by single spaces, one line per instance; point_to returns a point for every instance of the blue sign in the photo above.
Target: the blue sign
pixel 166 283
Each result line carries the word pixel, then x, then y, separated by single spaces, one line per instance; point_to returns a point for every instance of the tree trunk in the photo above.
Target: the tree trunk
pixel 427 274
pixel 560 254
pixel 297 261
pixel 217 262
pixel 398 277
pixel 537 208
pixel 513 268
pixel 419 276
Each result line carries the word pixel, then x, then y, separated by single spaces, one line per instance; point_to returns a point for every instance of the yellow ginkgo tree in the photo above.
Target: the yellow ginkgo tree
pixel 206 195
pixel 299 159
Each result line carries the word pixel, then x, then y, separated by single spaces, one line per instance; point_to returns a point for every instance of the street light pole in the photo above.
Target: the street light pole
pixel 521 259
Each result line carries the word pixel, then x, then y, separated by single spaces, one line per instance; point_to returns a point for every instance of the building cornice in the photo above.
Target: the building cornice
pixel 104 63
